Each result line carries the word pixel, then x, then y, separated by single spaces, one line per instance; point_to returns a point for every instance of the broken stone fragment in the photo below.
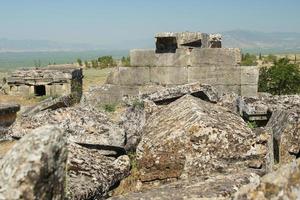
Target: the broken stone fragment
pixel 219 187
pixel 194 138
pixel 34 168
pixel 90 175
pixel 281 184
pixel 82 125
pixel 285 125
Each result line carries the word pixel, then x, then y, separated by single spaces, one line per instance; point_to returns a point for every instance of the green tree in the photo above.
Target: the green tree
pixel 260 56
pixel 248 60
pixel 271 58
pixel 86 63
pixel 106 61
pixel 95 64
pixel 281 78
pixel 125 61
pixel 79 61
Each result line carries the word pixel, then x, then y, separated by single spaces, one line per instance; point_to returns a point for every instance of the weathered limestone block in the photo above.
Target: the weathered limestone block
pixel 35 167
pixel 285 125
pixel 169 75
pixel 142 57
pixel 216 187
pixel 215 56
pixel 215 75
pixel 91 175
pixel 82 125
pixel 180 58
pixel 205 92
pixel 107 94
pixel 133 121
pixel 134 76
pixel 281 184
pixel 191 137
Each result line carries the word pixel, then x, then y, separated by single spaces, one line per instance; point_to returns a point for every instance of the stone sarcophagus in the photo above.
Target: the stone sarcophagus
pixel 48 81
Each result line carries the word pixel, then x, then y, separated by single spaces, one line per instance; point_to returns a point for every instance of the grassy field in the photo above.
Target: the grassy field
pixel 94 77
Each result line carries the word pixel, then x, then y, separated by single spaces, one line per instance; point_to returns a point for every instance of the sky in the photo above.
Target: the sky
pixel 113 21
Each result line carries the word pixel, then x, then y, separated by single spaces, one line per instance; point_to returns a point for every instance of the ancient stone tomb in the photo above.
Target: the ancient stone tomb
pixel 182 58
pixel 50 81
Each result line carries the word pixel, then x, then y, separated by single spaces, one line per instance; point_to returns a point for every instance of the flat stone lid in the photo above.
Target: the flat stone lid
pixel 9 108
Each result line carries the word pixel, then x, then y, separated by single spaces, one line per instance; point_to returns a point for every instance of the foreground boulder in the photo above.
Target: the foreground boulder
pixel 285 125
pixel 281 184
pixel 35 166
pixel 91 175
pixel 217 187
pixel 191 137
pixel 82 125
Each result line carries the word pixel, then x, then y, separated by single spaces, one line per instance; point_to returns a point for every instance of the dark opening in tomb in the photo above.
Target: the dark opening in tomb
pixel 216 44
pixel 39 90
pixel 200 95
pixel 276 151
pixel 166 45
pixel 195 44
pixel 259 120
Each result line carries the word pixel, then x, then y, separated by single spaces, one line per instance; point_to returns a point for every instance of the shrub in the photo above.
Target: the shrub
pixel 281 78
pixel 110 107
pixel 248 60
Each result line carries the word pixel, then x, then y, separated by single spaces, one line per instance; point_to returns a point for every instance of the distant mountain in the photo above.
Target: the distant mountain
pixel 261 41
pixel 8 45
pixel 251 41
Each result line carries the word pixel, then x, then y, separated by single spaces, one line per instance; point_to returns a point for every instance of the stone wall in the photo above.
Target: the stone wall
pixel 219 67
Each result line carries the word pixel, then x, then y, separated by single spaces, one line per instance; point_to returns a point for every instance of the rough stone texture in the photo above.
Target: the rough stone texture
pixel 261 107
pixel 182 58
pixel 107 94
pixel 91 175
pixel 249 80
pixel 50 104
pixel 281 184
pixel 191 137
pixel 218 187
pixel 205 92
pixel 8 115
pixel 54 80
pixel 82 125
pixel 132 122
pixel 35 167
pixel 285 125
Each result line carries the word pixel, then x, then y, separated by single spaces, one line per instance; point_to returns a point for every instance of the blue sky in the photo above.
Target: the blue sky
pixel 107 21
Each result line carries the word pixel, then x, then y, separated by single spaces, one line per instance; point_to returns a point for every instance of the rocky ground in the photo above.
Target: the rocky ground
pixel 185 142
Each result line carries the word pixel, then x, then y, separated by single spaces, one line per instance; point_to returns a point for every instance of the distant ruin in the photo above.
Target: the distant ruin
pixel 182 58
pixel 49 81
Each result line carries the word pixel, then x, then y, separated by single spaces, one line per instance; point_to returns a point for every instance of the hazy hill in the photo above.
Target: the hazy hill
pixel 267 42
pixel 9 45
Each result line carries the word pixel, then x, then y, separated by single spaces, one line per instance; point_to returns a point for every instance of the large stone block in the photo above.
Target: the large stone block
pixel 249 90
pixel 249 75
pixel 169 75
pixel 215 56
pixel 134 75
pixel 142 57
pixel 178 59
pixel 225 75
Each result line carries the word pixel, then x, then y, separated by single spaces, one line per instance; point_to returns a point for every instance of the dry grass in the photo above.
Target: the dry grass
pixel 94 77
pixel 23 101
